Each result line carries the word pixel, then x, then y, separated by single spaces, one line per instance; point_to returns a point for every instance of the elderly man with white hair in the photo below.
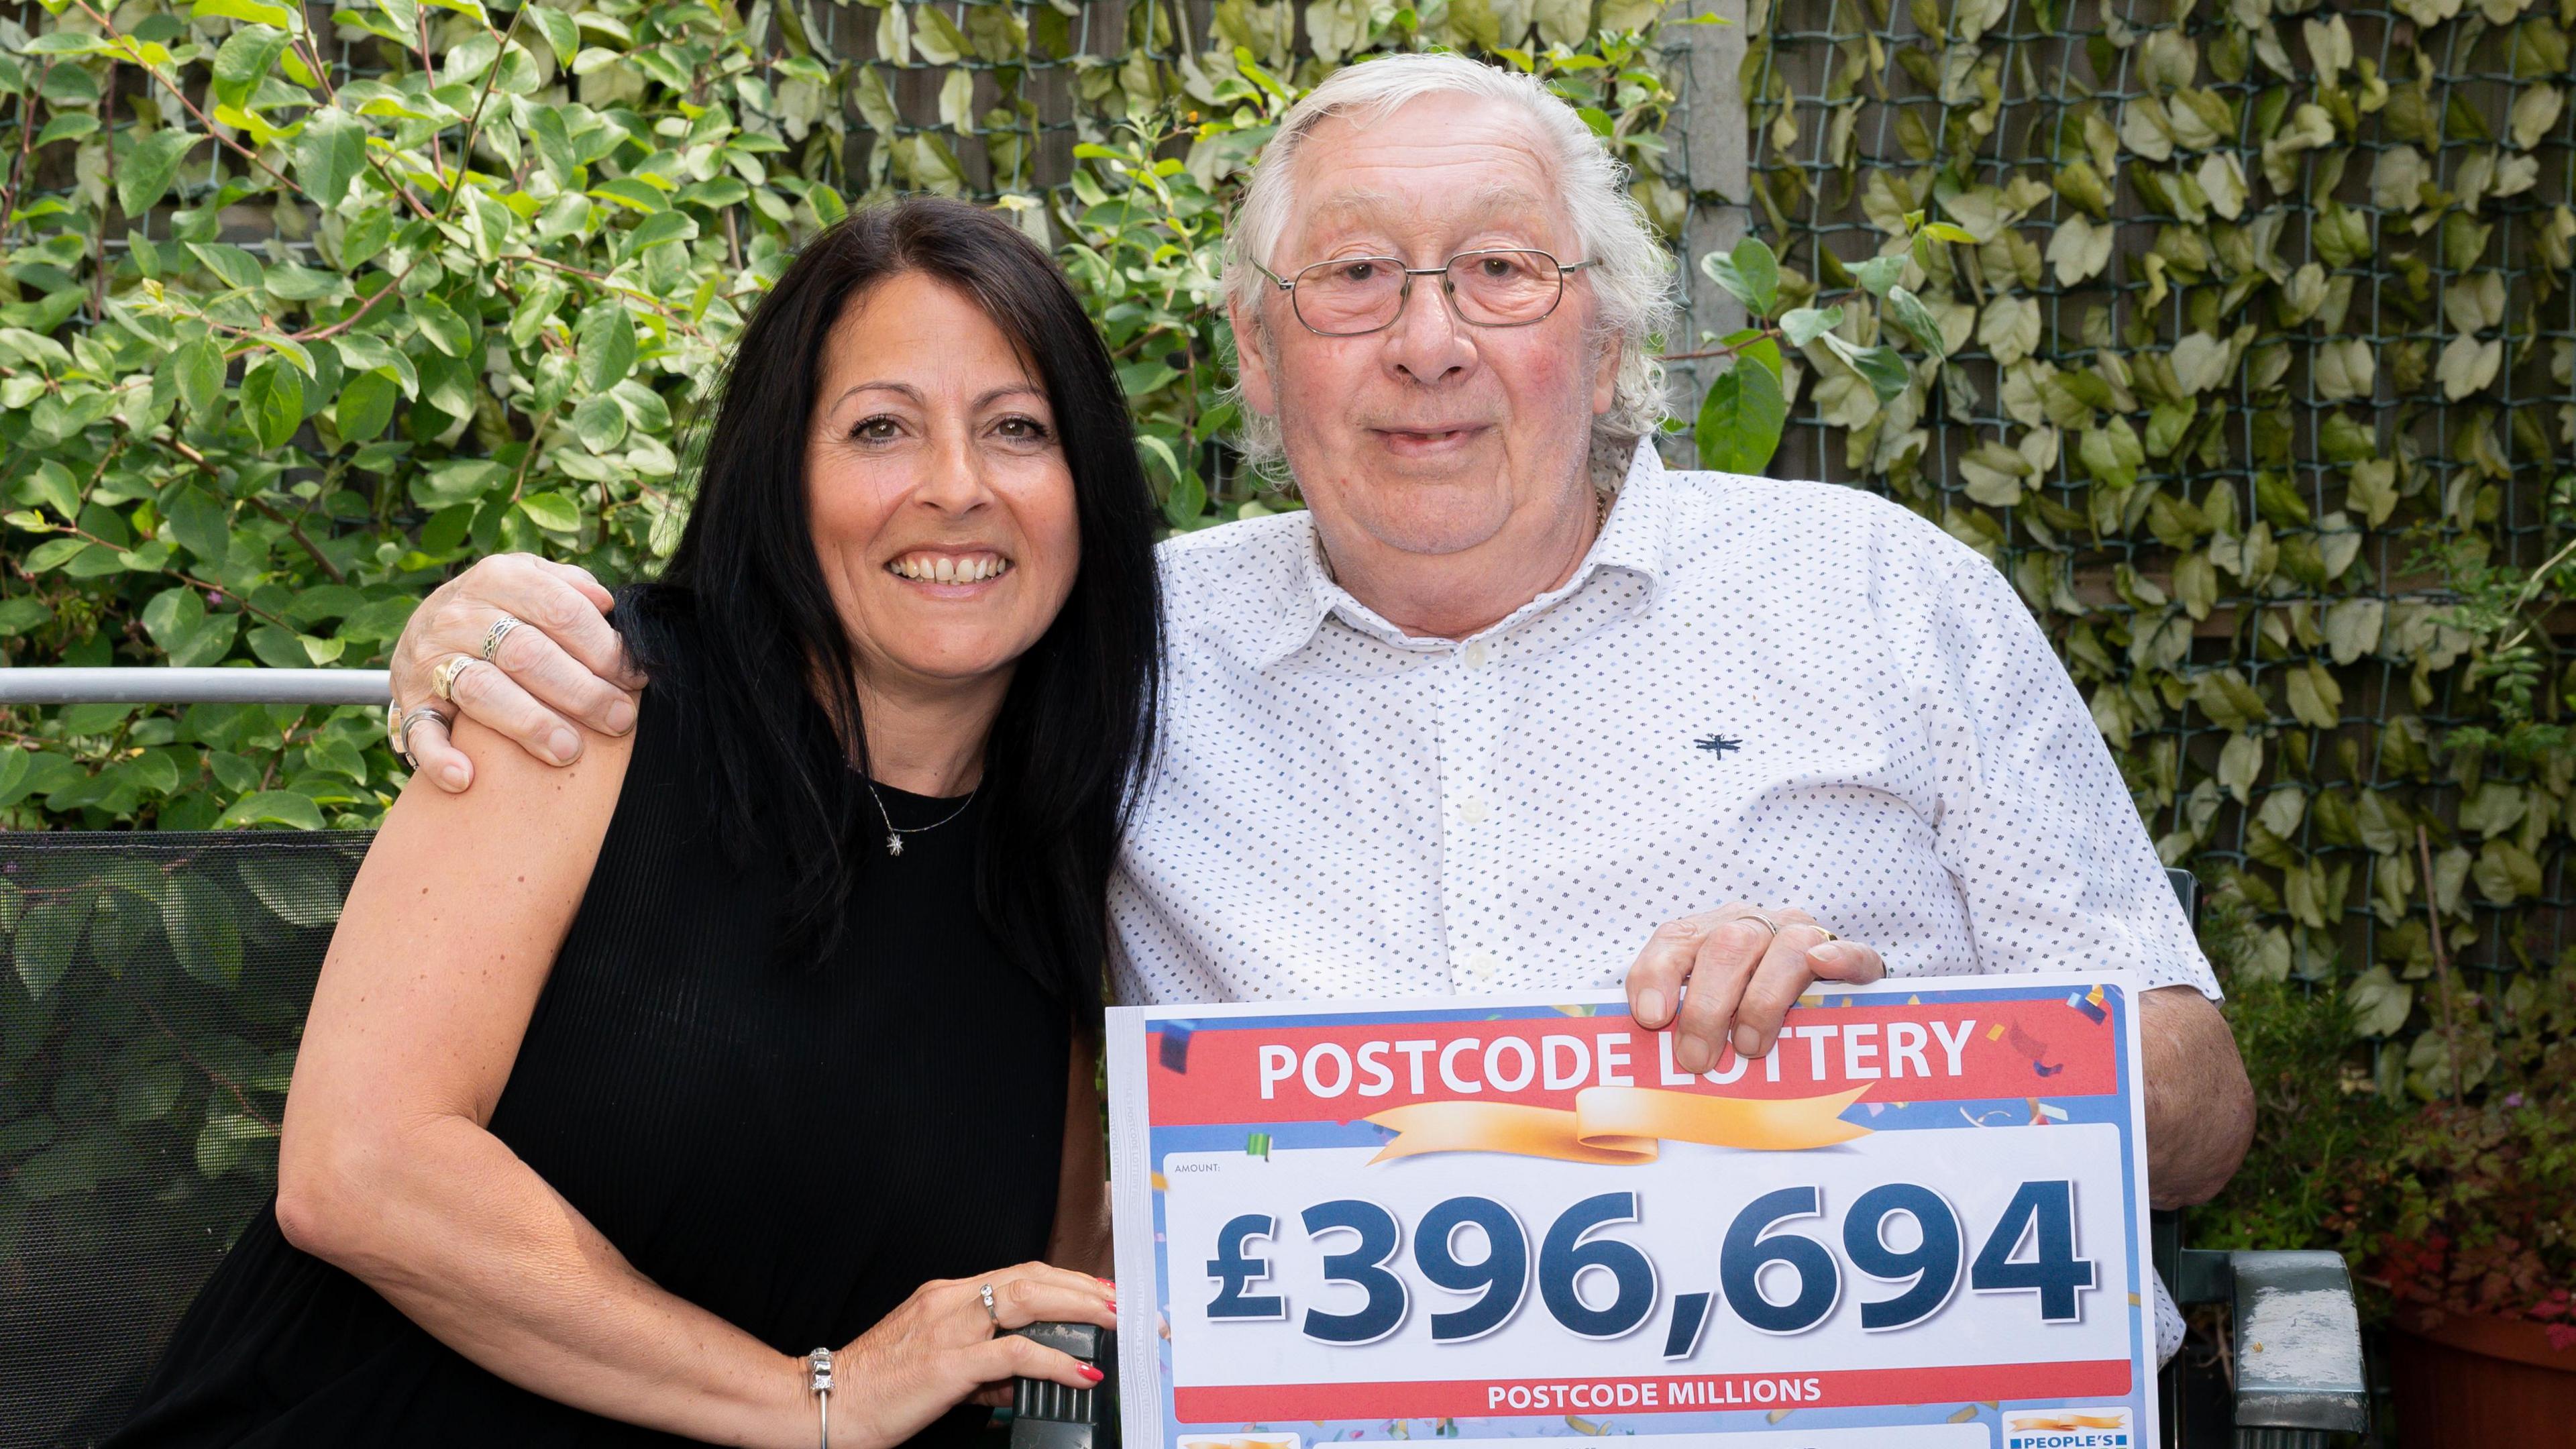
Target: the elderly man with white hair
pixel 1509 705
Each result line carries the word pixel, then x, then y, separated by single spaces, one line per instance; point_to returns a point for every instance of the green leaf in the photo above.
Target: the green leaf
pixel 331 152
pixel 660 227
pixel 1881 367
pixel 1185 500
pixel 273 401
pixel 199 366
pixel 201 524
pixel 1741 419
pixel 600 423
pixel 143 176
pixel 2378 1002
pixel 244 60
pixel 1879 273
pixel 13 778
pixel 53 485
pixel 296 888
pixel 630 193
pixel 53 553
pixel 199 923
pixel 273 807
pixel 18 616
pixel 228 1140
pixel 1751 274
pixel 439 323
pixel 290 283
pixel 1908 315
pixel 236 267
pixel 555 512
pixel 255 11
pixel 47 938
pixel 366 404
pixel 563 37
pixel 459 480
pixel 604 340
pixel 1806 324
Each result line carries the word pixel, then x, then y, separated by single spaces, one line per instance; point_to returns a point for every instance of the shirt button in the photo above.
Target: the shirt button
pixel 1476 654
pixel 1472 809
pixel 1479 965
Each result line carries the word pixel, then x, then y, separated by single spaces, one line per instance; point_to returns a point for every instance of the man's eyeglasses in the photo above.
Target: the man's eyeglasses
pixel 1354 296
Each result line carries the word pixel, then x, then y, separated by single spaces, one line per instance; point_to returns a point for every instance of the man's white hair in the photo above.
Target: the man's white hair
pixel 1632 281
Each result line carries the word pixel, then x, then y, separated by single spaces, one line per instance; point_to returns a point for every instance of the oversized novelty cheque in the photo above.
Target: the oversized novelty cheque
pixel 1921 1220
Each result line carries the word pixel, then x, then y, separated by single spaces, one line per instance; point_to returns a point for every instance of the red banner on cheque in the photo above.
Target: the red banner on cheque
pixel 1890 1053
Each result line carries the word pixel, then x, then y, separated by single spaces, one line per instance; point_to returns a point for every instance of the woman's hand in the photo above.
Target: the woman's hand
pixel 940 1348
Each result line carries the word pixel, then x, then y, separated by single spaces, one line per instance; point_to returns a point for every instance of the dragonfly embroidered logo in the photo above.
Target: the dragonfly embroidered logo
pixel 1718 745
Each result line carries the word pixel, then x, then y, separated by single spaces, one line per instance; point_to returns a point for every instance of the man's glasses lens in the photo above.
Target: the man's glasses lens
pixel 1506 288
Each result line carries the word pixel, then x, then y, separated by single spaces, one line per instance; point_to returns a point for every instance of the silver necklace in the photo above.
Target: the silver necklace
pixel 895 834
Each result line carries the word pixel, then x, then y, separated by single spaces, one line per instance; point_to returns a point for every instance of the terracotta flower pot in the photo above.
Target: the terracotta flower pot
pixel 2471 1379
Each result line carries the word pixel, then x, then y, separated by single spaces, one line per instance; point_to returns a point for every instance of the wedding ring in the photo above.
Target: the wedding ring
pixel 493 636
pixel 990 1311
pixel 394 729
pixel 444 681
pixel 1764 921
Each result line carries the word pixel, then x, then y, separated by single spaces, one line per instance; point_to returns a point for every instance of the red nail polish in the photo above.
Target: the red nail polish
pixel 1113 1305
pixel 1092 1374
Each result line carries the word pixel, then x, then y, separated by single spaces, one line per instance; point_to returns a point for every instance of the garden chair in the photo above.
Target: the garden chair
pixel 152 986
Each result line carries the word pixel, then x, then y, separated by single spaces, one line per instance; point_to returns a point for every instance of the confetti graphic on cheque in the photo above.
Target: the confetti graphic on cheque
pixel 2035 1049
pixel 2091 1004
pixel 1174 1052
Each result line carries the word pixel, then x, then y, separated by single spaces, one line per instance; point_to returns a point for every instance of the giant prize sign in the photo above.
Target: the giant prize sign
pixel 1921 1220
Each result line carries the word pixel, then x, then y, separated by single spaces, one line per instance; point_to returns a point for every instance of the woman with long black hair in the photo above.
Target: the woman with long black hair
pixel 760 1031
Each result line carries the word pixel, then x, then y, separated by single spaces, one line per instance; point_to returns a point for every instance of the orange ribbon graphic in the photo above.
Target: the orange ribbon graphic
pixel 1618 1126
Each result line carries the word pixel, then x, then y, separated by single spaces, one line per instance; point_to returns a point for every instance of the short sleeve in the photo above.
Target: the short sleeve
pixel 2034 821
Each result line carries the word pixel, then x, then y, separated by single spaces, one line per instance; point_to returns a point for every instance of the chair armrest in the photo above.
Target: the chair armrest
pixel 2298 1343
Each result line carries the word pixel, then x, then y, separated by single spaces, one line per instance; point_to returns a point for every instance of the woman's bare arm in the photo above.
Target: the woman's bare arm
pixel 1081 1237
pixel 386 1168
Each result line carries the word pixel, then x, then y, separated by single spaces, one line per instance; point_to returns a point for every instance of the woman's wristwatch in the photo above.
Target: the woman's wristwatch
pixel 818 1382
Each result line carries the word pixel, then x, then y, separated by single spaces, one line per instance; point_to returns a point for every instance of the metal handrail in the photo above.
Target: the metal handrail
pixel 152 685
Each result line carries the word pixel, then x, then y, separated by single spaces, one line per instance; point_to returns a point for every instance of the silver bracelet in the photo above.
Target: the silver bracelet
pixel 818 1382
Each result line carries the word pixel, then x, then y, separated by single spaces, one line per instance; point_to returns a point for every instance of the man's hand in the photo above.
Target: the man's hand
pixel 563 664
pixel 1745 967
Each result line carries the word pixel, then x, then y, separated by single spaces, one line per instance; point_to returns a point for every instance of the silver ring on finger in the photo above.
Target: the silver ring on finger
pixel 493 636
pixel 443 681
pixel 1757 917
pixel 990 1311
pixel 402 743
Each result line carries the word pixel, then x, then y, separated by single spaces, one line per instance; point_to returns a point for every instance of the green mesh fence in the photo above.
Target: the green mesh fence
pixel 2268 302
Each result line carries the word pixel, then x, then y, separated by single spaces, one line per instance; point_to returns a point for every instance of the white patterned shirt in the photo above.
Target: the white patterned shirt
pixel 1794 694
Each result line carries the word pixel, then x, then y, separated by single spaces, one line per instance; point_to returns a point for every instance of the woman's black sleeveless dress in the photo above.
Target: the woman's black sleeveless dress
pixel 794 1151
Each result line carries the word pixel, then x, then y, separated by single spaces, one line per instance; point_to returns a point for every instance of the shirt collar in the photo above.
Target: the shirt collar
pixel 1636 539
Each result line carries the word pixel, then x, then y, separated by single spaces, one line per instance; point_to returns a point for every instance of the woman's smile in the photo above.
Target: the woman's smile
pixel 949 573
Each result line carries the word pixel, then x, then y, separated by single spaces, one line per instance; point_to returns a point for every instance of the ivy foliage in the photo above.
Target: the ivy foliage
pixel 2259 381
pixel 302 312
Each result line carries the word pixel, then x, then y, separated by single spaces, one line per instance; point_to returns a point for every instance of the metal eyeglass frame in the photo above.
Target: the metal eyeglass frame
pixel 1404 293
